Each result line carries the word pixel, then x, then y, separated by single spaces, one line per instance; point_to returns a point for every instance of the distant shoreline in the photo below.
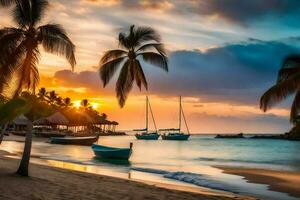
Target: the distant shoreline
pixel 56 183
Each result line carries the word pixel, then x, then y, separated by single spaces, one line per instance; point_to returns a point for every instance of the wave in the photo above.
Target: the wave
pixel 191 178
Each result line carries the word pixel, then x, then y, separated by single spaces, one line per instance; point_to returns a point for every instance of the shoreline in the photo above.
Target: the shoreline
pixel 280 181
pixel 46 182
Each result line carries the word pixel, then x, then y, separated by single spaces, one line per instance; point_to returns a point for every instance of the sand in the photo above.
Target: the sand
pixel 49 183
pixel 281 181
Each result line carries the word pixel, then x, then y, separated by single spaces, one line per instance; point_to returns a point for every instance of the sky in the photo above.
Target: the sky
pixel 223 54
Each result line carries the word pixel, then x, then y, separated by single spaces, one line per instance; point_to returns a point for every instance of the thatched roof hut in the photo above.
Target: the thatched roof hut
pixel 54 119
pixel 79 119
pixel 21 121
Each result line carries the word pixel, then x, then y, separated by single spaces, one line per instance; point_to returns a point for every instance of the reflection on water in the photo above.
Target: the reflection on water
pixel 177 162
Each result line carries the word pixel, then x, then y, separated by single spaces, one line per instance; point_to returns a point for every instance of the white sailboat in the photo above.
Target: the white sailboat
pixel 144 133
pixel 176 134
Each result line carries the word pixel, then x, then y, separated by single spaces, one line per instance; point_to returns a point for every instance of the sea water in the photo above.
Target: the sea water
pixel 191 162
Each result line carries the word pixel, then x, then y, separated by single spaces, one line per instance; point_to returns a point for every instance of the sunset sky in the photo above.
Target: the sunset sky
pixel 223 54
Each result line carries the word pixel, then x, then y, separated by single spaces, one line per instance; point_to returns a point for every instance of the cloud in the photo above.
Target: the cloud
pixel 259 123
pixel 235 11
pixel 235 73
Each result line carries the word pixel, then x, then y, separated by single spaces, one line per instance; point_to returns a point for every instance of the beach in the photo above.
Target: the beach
pixel 283 181
pixel 54 183
pixel 166 164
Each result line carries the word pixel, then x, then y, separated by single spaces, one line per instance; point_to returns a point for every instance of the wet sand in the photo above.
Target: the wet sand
pixel 281 181
pixel 50 183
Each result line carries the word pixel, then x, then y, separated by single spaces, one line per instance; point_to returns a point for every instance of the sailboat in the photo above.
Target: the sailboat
pixel 145 134
pixel 174 133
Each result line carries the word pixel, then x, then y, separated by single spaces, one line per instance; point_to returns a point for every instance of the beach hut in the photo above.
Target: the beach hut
pixel 18 126
pixel 79 123
pixel 56 119
pixel 102 125
pixel 53 125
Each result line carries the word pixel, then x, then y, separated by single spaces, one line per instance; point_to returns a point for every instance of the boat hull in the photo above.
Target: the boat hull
pixel 85 141
pixel 104 152
pixel 176 137
pixel 147 136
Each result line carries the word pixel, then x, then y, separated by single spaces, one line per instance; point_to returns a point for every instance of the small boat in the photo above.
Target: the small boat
pixel 144 133
pixel 176 134
pixel 104 152
pixel 147 136
pixel 240 135
pixel 87 141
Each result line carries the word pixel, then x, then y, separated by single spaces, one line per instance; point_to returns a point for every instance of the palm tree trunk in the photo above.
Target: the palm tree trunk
pixel 23 167
pixel 3 132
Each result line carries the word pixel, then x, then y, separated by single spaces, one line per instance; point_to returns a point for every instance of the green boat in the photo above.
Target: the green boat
pixel 176 133
pixel 144 134
pixel 104 152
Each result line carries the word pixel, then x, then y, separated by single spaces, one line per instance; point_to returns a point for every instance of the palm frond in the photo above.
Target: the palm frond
pixel 290 66
pixel 38 8
pixel 11 64
pixel 28 75
pixel 6 2
pixel 55 40
pixel 107 70
pixel 140 77
pixel 22 12
pixel 279 92
pixel 155 59
pixel 145 34
pixel 159 47
pixel 124 82
pixel 136 36
pixel 27 13
pixel 112 54
pixel 123 41
pixel 9 40
pixel 295 107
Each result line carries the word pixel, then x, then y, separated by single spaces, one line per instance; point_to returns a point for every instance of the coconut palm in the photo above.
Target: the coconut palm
pixel 52 97
pixel 67 102
pixel 19 54
pixel 59 101
pixel 85 103
pixel 19 46
pixel 42 93
pixel 288 83
pixel 140 43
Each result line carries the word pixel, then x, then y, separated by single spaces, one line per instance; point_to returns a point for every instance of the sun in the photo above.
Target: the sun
pixel 95 105
pixel 76 104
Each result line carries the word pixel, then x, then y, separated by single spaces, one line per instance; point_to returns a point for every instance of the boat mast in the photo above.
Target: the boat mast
pixel 179 114
pixel 187 128
pixel 147 114
pixel 152 115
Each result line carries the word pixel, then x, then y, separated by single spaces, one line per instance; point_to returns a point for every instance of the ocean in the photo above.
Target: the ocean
pixel 189 163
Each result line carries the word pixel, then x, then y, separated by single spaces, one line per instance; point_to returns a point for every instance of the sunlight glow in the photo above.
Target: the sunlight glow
pixel 76 104
pixel 95 105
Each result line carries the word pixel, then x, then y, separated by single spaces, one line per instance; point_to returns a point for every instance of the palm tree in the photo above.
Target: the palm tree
pixel 42 93
pixel 140 43
pixel 19 54
pixel 85 103
pixel 59 101
pixel 288 83
pixel 67 102
pixel 52 96
pixel 19 46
